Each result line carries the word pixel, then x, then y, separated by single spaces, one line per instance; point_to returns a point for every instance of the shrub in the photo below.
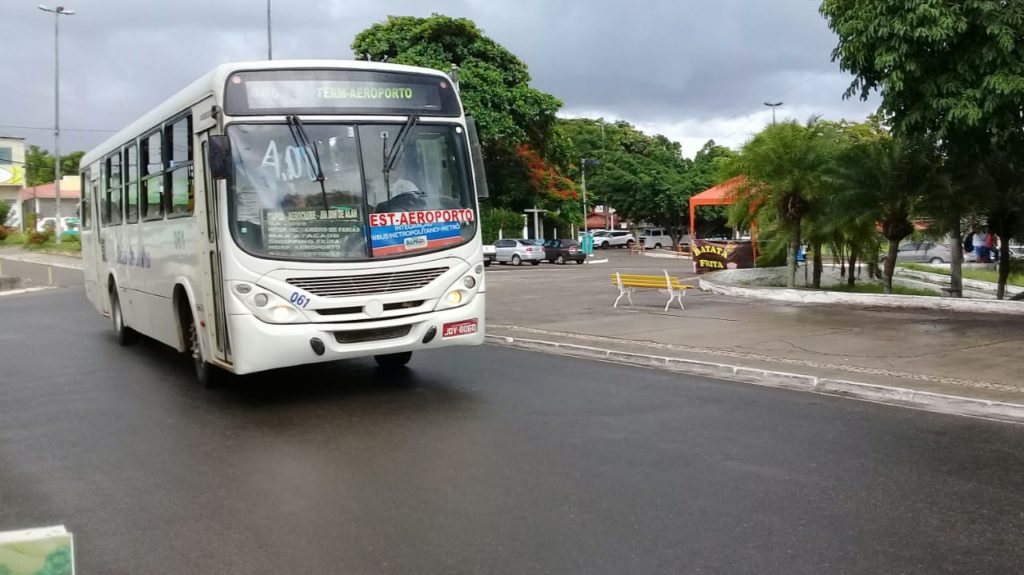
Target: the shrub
pixel 39 238
pixel 5 211
pixel 3 233
pixel 508 222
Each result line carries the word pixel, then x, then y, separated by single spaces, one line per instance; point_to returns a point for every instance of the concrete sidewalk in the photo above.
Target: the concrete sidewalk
pixel 939 352
pixel 22 255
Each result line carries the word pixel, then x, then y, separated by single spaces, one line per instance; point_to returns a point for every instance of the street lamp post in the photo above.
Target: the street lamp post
pixel 584 162
pixel 270 43
pixel 773 105
pixel 57 13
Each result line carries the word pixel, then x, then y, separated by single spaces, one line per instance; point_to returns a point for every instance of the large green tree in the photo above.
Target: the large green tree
pixel 495 89
pixel 39 165
pixel 644 178
pixel 951 70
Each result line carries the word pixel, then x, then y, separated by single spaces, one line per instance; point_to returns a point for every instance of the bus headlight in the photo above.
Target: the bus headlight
pixel 283 314
pixel 460 293
pixel 267 306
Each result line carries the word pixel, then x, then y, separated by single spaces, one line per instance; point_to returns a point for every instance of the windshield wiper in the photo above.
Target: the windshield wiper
pixel 390 159
pixel 310 151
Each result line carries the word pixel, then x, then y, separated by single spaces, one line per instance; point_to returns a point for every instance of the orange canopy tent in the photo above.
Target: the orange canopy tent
pixel 723 194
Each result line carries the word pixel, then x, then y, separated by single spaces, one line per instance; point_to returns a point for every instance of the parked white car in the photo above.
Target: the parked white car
pixel 614 239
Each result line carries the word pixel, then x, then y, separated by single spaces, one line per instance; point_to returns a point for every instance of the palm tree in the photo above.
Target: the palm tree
pixel 784 165
pixel 885 180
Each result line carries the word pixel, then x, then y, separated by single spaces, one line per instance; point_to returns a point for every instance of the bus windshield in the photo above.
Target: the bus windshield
pixel 278 208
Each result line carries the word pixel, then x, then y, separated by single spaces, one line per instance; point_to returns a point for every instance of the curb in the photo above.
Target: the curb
pixel 29 260
pixel 866 300
pixel 25 290
pixel 988 288
pixel 898 396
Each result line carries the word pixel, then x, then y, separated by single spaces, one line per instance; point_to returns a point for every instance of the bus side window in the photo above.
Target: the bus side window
pixel 182 196
pixel 112 189
pixel 83 209
pixel 153 177
pixel 131 186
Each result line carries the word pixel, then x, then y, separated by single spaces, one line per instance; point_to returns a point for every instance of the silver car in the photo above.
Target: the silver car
pixel 517 251
pixel 924 252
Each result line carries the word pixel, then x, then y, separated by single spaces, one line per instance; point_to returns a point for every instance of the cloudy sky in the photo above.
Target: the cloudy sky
pixel 691 69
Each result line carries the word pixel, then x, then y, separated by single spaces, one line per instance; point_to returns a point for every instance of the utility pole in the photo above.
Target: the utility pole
pixel 584 162
pixel 270 42
pixel 57 13
pixel 773 105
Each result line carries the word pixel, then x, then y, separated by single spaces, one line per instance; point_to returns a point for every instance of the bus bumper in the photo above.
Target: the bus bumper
pixel 259 346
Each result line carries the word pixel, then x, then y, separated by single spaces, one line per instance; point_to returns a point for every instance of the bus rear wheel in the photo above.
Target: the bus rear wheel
pixel 393 360
pixel 125 335
pixel 207 374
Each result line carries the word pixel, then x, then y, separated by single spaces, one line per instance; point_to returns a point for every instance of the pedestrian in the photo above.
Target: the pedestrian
pixel 978 242
pixel 990 243
pixel 968 242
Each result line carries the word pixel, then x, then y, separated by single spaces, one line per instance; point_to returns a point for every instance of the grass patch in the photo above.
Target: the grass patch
pixel 65 246
pixel 877 288
pixel 991 276
pixel 13 240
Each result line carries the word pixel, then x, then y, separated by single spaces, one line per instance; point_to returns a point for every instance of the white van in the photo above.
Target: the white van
pixel 655 238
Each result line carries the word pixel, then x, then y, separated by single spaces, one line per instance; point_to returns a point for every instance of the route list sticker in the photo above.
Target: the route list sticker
pixel 400 232
pixel 309 233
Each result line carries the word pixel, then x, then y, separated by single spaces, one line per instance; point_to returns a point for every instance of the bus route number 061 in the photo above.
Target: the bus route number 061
pixel 299 300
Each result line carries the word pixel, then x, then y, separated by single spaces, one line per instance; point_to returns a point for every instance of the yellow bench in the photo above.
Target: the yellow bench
pixel 666 284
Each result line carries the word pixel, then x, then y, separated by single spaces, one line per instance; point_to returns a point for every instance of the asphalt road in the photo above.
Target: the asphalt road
pixel 483 460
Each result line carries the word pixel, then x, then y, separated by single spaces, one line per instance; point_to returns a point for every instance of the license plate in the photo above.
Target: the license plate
pixel 467 327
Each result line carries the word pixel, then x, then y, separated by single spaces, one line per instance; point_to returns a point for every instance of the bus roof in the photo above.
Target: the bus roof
pixel 212 83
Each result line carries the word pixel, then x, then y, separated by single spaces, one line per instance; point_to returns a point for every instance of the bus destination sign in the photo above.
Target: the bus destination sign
pixel 338 92
pixel 309 233
pixel 315 94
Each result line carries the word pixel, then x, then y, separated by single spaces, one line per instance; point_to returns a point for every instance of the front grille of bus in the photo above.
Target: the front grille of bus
pixel 370 284
pixel 357 309
pixel 376 334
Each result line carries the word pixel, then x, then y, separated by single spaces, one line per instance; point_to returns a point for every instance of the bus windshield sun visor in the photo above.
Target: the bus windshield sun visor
pixel 310 151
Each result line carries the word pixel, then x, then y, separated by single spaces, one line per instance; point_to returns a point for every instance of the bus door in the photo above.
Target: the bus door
pixel 90 231
pixel 208 207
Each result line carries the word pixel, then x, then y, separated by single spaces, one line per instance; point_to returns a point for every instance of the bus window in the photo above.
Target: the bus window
pixel 131 187
pixel 182 196
pixel 83 208
pixel 274 195
pixel 153 178
pixel 112 207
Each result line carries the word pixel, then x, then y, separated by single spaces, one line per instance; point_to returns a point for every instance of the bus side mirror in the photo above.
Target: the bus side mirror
pixel 220 157
pixel 477 156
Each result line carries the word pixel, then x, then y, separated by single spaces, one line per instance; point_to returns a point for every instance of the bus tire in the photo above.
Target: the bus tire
pixel 124 334
pixel 393 360
pixel 207 374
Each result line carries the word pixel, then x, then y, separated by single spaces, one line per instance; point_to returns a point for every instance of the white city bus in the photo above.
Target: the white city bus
pixel 280 213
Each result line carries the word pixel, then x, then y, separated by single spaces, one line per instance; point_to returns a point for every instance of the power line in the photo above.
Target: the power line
pixel 50 129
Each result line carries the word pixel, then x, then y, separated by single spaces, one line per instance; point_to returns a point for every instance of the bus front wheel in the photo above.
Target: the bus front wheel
pixel 125 335
pixel 207 374
pixel 393 360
